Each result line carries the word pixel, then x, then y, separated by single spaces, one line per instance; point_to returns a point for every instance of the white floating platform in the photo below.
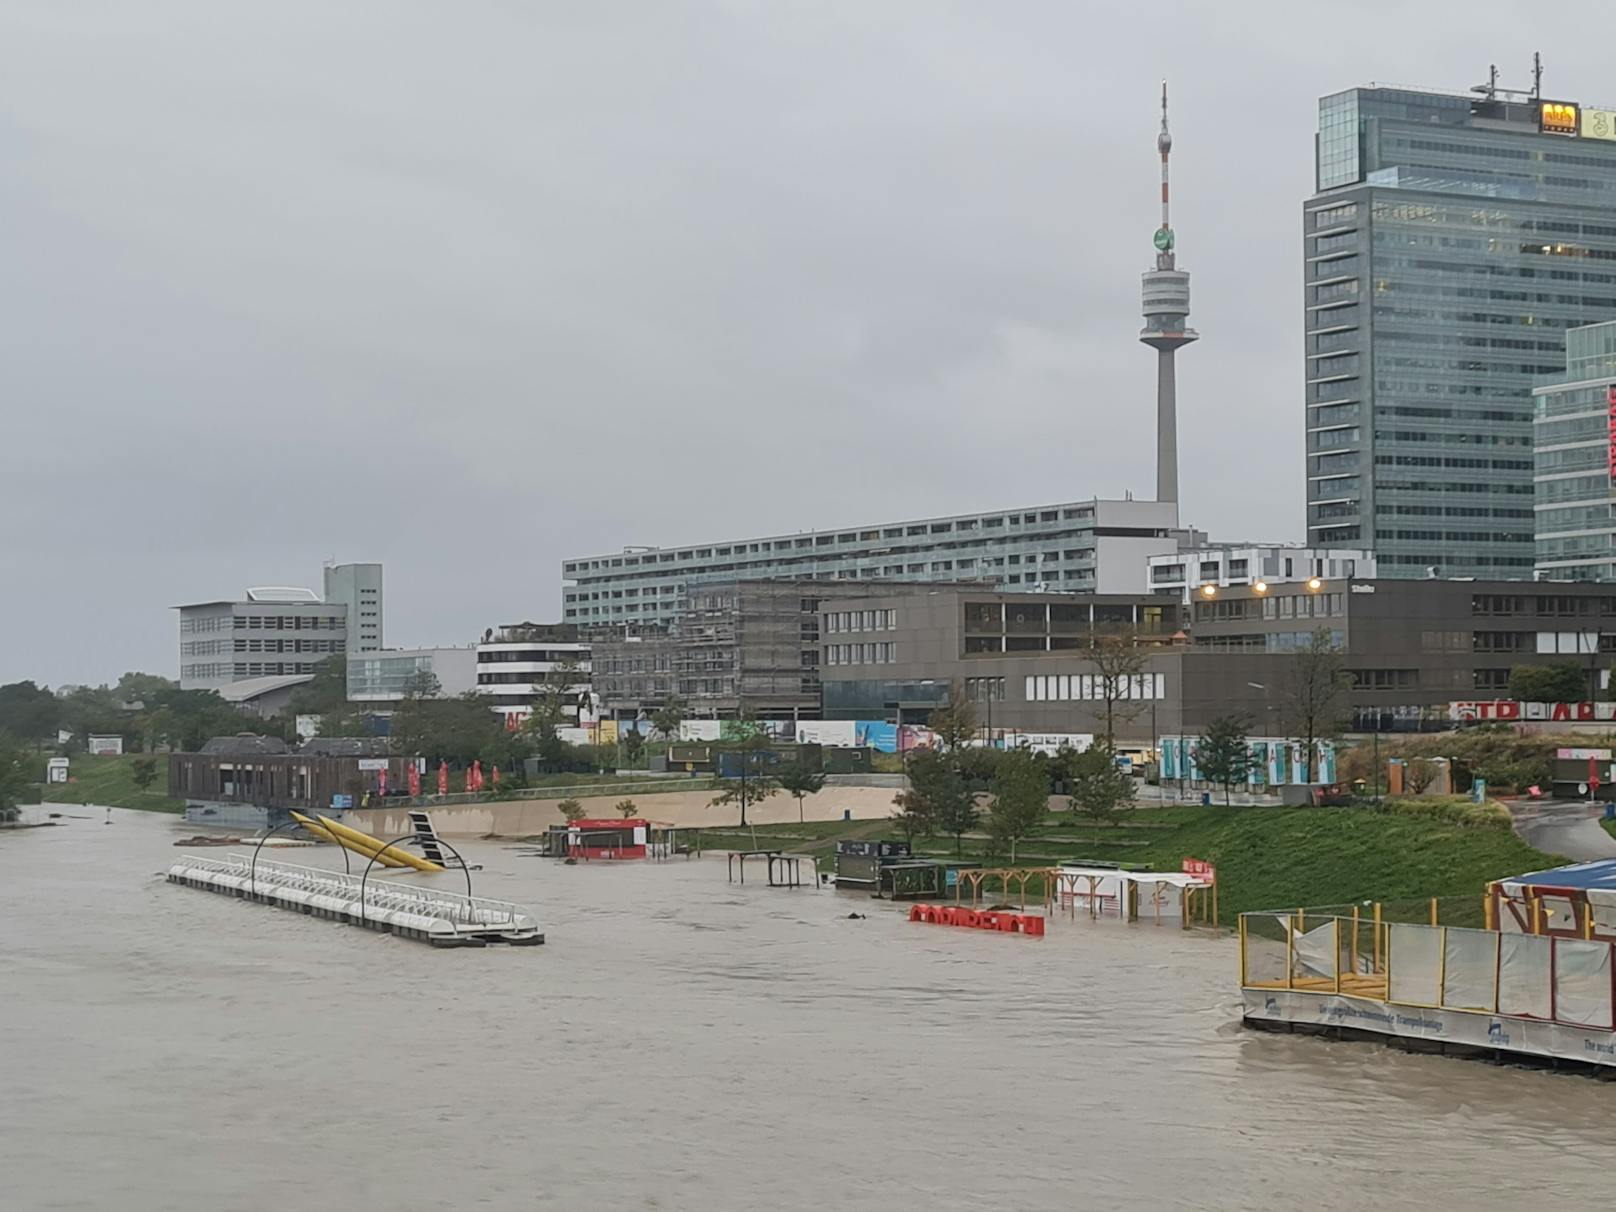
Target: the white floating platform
pixel 436 916
pixel 1429 1028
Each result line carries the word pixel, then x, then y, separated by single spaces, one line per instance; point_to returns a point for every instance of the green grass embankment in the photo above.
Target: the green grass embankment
pixel 1267 858
pixel 110 781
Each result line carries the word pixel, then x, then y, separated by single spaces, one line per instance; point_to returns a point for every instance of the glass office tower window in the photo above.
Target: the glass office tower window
pixel 1338 140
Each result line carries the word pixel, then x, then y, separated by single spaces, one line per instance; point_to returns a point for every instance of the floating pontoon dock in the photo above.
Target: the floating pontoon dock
pixel 436 916
pixel 1538 981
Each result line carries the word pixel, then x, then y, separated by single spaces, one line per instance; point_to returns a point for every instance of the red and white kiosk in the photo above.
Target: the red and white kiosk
pixel 614 838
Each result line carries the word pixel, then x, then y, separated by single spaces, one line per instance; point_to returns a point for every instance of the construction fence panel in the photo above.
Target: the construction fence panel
pixel 1525 976
pixel 1469 969
pixel 1264 937
pixel 1582 992
pixel 1416 965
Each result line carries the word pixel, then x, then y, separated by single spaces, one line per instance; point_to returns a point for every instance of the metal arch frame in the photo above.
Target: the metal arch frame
pixel 252 869
pixel 407 838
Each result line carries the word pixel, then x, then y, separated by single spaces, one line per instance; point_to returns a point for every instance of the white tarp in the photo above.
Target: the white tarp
pixel 1416 965
pixel 1523 975
pixel 1469 969
pixel 1313 952
pixel 1582 982
pixel 700 730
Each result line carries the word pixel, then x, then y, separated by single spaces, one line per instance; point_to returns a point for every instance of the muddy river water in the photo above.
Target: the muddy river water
pixel 684 1043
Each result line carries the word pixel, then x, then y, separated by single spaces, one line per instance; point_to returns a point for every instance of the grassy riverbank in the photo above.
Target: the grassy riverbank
pixel 1266 857
pixel 110 781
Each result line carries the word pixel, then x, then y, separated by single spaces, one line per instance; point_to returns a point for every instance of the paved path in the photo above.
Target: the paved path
pixel 1562 828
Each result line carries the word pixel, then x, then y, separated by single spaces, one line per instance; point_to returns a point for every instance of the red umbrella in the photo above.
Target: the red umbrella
pixel 496 776
pixel 443 777
pixel 475 777
pixel 381 782
pixel 415 780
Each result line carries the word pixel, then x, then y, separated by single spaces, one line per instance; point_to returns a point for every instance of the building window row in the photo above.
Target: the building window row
pixel 203 670
pixel 861 620
pixel 883 653
pixel 214 622
pixel 241 645
pixel 983 690
pixel 289 622
pixel 1090 687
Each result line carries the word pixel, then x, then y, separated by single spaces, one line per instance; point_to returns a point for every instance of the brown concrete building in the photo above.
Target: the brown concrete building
pixel 1026 658
pixel 1412 648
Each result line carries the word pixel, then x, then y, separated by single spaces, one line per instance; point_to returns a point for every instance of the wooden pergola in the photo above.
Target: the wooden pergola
pixel 1020 876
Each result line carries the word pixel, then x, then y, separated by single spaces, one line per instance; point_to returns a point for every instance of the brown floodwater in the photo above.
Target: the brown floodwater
pixel 684 1043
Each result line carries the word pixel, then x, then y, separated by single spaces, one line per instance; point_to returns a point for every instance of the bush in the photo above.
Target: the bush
pixel 1452 810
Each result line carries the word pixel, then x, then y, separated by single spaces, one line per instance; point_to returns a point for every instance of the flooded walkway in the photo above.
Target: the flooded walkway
pixel 681 1042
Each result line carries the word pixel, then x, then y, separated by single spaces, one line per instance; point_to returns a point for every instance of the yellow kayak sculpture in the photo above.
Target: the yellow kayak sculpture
pixel 363 843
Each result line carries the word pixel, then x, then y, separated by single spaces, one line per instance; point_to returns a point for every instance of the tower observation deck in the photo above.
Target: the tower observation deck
pixel 1166 308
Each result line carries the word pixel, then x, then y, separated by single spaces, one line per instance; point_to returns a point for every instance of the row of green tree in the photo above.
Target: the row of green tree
pixel 149 712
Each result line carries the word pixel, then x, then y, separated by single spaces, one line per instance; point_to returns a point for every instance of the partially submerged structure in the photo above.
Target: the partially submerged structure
pixel 1535 980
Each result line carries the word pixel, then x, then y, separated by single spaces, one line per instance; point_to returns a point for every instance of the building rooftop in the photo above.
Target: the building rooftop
pixel 251 688
pixel 281 593
pixel 244 744
pixel 1168 513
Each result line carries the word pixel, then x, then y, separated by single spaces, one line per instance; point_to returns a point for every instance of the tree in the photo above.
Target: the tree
pixel 14 782
pixel 667 718
pixel 134 687
pixel 937 798
pixel 1222 753
pixel 1314 693
pixel 626 809
pixel 752 787
pixel 461 728
pixel 555 694
pixel 186 719
pixel 1098 787
pixel 633 744
pixel 144 771
pixel 328 692
pixel 955 810
pixel 955 721
pixel 571 810
pixel 1119 665
pixel 797 780
pixel 29 712
pixel 1020 798
pixel 1562 682
pixel 1418 775
pixel 422 684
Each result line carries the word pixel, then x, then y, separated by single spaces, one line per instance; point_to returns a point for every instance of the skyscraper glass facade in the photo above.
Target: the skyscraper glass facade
pixel 1573 436
pixel 1450 246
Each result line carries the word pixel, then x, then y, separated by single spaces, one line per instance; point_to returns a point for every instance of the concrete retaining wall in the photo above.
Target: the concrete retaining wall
pixel 522 818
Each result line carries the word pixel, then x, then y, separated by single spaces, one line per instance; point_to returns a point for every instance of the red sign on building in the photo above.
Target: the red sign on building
pixel 1610 400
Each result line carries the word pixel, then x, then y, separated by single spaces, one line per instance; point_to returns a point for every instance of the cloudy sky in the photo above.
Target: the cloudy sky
pixel 467 288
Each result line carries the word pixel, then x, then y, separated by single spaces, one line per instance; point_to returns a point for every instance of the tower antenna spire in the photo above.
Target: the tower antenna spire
pixel 1167 308
pixel 1164 144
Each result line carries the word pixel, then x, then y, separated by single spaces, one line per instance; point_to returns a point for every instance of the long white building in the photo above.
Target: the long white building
pixel 1090 546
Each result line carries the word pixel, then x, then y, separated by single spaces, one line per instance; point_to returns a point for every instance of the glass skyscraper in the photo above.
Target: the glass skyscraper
pixel 1451 243
pixel 1574 449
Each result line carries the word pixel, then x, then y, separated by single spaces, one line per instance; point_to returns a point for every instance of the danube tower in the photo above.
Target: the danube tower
pixel 1167 306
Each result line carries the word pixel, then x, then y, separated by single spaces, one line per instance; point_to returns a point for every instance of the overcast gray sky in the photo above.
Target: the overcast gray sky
pixel 467 288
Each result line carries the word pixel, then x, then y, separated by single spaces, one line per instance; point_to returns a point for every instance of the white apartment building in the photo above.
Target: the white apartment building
pixel 514 662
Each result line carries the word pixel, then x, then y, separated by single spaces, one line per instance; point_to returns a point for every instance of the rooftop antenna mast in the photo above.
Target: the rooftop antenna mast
pixel 1537 76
